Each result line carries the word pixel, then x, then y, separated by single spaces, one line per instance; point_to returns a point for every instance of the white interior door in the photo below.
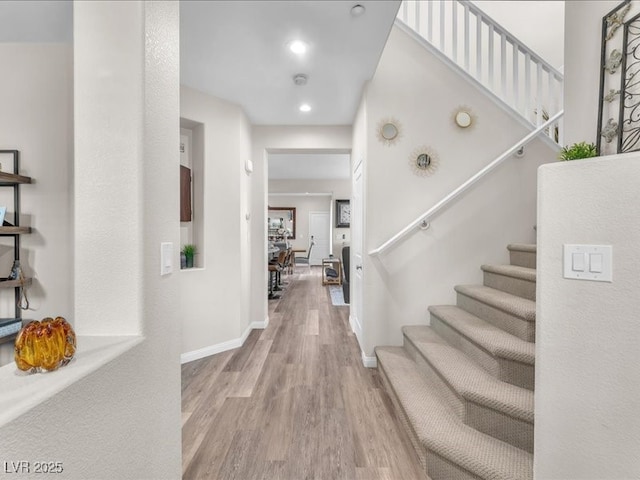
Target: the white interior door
pixel 320 230
pixel 356 277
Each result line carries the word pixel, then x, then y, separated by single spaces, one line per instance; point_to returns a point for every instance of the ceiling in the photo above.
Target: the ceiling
pixel 237 50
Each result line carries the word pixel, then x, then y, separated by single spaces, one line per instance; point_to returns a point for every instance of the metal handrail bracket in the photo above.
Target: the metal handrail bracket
pixel 427 216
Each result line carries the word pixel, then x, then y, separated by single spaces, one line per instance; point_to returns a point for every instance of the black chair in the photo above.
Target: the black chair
pixel 346 263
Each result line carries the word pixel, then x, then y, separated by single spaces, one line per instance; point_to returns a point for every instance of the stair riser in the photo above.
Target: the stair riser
pixel 503 427
pixel 509 323
pixel 404 420
pixel 514 286
pixel 433 464
pixel 522 259
pixel 515 373
pixel 471 414
pixel 441 469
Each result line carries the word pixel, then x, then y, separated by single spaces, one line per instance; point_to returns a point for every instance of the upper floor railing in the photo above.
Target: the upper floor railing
pixel 493 56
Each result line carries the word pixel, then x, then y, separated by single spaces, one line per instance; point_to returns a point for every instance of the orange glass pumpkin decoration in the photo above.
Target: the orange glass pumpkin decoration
pixel 45 345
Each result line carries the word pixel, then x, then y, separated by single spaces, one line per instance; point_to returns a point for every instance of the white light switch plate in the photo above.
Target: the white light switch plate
pixel 166 258
pixel 588 262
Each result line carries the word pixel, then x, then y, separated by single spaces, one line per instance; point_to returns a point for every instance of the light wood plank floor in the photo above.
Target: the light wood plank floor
pixel 294 402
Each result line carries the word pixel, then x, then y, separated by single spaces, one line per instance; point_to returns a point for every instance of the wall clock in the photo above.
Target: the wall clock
pixel 343 213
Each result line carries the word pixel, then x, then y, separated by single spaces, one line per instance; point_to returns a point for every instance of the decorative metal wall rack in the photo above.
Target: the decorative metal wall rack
pixel 619 102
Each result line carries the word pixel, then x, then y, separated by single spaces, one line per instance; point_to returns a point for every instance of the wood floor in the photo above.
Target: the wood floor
pixel 294 402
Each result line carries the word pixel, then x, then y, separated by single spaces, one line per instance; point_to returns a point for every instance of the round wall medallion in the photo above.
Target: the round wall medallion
pixel 389 131
pixel 464 117
pixel 423 161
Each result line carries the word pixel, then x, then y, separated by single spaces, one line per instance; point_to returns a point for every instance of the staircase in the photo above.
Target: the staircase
pixel 463 386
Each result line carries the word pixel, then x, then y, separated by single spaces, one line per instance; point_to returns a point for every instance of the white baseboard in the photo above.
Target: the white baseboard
pixel 355 326
pixel 369 362
pixel 224 346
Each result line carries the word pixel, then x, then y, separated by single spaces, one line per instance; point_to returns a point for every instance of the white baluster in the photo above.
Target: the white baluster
pixel 430 22
pixel 454 30
pixel 527 85
pixel 442 26
pixel 479 48
pixel 503 65
pixel 417 27
pixel 538 93
pixel 516 66
pixel 492 35
pixel 466 37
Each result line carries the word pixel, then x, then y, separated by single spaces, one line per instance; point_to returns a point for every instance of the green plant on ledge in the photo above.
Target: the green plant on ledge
pixel 189 252
pixel 577 151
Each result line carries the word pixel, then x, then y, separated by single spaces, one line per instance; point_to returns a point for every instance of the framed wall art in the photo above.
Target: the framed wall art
pixel 343 213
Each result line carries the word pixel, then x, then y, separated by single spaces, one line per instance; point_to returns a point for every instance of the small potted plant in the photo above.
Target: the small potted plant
pixel 189 252
pixel 577 151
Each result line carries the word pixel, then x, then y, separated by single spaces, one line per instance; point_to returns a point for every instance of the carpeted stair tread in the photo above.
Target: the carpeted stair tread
pixel 442 432
pixel 513 271
pixel 511 304
pixel 489 337
pixel 523 247
pixel 467 378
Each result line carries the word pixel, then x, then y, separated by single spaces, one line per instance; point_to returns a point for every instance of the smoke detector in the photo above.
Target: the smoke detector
pixel 357 10
pixel 300 79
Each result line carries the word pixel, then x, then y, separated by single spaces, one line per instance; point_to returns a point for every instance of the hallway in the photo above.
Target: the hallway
pixel 294 402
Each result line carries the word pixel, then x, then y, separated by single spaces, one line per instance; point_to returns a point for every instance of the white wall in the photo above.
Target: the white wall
pixel 276 139
pixel 422 93
pixel 587 355
pixel 214 298
pixel 37 119
pixel 113 418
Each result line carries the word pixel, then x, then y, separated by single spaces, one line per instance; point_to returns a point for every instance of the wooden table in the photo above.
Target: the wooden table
pixel 334 263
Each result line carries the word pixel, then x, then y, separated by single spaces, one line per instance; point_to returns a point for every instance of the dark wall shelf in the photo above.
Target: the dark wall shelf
pixel 14 180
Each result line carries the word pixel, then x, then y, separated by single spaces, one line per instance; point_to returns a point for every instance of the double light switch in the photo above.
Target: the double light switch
pixel 588 262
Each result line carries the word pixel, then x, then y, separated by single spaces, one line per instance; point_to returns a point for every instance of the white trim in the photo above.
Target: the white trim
pixel 355 326
pixel 369 362
pixel 224 346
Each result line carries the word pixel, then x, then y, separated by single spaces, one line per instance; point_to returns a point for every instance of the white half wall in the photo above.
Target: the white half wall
pixel 36 95
pixel 215 299
pixel 108 424
pixel 587 356
pixel 422 93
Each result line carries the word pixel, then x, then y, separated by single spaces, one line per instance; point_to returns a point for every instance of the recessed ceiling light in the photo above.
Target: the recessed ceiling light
pixel 357 10
pixel 305 107
pixel 298 47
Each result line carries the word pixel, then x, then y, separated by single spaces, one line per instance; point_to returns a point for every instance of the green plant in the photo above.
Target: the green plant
pixel 577 151
pixel 189 250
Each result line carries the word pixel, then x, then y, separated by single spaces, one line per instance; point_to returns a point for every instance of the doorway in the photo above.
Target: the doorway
pixel 320 232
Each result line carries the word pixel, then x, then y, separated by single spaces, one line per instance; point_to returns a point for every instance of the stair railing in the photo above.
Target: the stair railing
pixel 491 55
pixel 423 221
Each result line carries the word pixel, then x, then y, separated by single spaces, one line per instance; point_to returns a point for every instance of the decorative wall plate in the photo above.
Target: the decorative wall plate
pixel 424 161
pixel 389 131
pixel 464 117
